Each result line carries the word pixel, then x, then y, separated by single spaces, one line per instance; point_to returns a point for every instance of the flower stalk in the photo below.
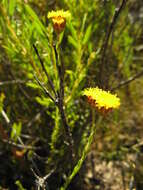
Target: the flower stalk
pixel 84 154
pixel 61 103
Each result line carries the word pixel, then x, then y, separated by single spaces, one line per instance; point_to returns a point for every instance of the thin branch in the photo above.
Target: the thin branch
pixel 8 122
pixel 37 171
pixel 20 86
pixel 17 81
pixel 61 103
pixel 28 136
pixel 45 71
pixel 85 151
pixel 36 117
pixel 5 116
pixel 43 159
pixel 60 73
pixel 114 20
pixel 44 89
pixel 123 83
pixel 22 146
pixel 109 32
pixel 41 181
pixel 8 64
pixel 126 57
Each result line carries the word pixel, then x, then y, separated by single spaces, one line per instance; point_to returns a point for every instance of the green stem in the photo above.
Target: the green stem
pixel 83 157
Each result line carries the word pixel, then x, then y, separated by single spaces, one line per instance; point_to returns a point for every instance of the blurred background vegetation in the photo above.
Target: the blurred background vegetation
pixel 100 46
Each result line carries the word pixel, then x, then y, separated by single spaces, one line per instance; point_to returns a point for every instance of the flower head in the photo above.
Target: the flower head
pixel 59 19
pixel 104 101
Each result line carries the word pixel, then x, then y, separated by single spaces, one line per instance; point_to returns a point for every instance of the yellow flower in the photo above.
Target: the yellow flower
pixel 104 101
pixel 59 19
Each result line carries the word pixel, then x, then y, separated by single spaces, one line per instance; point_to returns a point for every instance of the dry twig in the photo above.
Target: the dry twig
pixel 123 83
pixel 107 37
pixel 45 71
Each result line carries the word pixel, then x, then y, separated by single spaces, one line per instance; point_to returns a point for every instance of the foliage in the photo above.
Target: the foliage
pixel 36 136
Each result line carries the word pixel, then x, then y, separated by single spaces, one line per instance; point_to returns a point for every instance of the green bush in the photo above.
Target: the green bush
pixel 50 127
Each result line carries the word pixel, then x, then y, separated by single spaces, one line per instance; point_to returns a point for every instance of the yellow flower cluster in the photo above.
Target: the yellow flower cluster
pixel 59 19
pixel 61 13
pixel 104 101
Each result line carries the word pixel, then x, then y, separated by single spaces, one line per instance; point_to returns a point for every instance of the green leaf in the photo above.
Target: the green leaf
pixel 44 101
pixel 33 85
pixel 72 41
pixel 39 25
pixel 16 131
pixel 19 185
pixel 2 96
pixel 71 75
pixel 12 4
pixel 5 3
pixel 87 34
pixel 83 22
pixel 72 29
